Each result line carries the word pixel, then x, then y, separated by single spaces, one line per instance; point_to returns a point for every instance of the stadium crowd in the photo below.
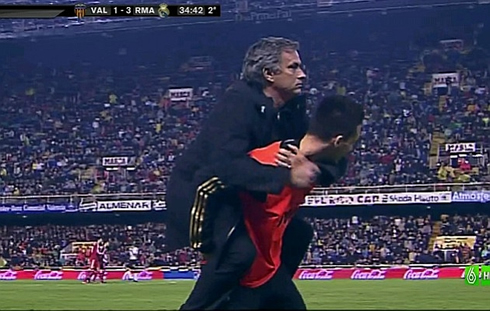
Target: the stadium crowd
pixel 59 124
pixel 348 241
pixel 380 240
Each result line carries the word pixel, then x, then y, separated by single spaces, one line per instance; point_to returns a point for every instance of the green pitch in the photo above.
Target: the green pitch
pixel 168 295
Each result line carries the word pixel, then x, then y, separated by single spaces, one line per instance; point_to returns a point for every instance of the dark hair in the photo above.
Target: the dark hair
pixel 265 54
pixel 336 115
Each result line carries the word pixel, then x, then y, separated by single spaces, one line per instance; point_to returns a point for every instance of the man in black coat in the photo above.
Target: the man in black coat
pixel 264 106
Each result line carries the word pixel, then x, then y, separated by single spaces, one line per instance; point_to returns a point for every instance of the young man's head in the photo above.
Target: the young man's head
pixel 335 127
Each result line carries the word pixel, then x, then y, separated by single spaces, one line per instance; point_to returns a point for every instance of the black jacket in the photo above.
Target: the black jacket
pixel 244 119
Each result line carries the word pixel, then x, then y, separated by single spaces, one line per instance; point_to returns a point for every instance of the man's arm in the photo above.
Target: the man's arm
pixel 231 128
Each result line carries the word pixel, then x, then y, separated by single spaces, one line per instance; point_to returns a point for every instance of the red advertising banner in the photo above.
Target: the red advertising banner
pixel 56 275
pixel 380 274
pixel 404 273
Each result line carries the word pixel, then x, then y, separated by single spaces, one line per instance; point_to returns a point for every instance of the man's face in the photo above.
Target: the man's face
pixel 289 80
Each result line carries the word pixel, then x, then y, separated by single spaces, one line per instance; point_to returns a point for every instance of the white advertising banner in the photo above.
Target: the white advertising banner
pixel 461 147
pixel 440 79
pixel 115 161
pixel 183 94
pixel 117 206
pixel 453 44
pixel 378 199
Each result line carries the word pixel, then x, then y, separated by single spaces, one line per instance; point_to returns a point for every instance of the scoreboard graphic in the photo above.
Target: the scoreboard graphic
pixel 82 11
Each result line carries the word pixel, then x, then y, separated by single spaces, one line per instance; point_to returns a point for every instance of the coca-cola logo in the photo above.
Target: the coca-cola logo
pixel 82 276
pixel 321 274
pixel 141 276
pixel 127 276
pixel 421 274
pixel 8 275
pixel 48 275
pixel 145 275
pixel 368 275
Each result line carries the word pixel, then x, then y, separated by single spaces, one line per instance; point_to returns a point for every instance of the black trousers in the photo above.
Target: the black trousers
pixel 279 293
pixel 179 199
pixel 222 273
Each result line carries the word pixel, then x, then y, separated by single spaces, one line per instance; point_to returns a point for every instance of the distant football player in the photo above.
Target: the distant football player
pixel 104 263
pixel 133 253
pixel 96 262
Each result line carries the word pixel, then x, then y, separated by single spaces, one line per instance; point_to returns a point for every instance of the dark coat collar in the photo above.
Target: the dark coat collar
pixel 264 103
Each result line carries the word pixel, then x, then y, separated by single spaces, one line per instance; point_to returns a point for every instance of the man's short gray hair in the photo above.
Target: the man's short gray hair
pixel 265 54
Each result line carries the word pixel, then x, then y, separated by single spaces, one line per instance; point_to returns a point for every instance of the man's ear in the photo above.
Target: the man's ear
pixel 337 140
pixel 268 75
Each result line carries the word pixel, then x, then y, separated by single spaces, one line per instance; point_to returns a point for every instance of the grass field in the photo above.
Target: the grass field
pixel 167 295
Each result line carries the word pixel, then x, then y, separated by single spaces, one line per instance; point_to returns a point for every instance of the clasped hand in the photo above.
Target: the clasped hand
pixel 303 172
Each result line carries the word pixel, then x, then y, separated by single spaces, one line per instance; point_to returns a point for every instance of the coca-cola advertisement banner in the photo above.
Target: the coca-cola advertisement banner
pixel 380 274
pixel 404 273
pixel 57 275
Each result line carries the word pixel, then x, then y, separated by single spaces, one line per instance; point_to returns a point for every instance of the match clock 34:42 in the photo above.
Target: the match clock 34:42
pixel 198 10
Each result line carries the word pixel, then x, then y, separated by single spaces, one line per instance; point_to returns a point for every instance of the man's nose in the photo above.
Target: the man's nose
pixel 301 74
